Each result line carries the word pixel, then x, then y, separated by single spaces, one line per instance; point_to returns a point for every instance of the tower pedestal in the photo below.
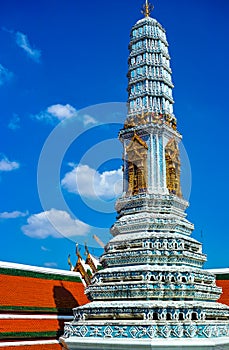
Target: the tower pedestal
pixel 141 344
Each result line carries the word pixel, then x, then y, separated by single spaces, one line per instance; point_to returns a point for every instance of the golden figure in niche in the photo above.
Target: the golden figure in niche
pixel 172 158
pixel 137 165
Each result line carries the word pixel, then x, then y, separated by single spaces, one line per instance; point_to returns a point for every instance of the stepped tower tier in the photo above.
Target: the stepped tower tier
pixel 150 83
pixel 150 137
pixel 152 285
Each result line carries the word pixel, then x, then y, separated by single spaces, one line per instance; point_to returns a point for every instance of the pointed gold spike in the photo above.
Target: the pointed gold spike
pixel 147 9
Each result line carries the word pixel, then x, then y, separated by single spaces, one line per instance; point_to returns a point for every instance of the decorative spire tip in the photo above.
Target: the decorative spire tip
pixel 147 9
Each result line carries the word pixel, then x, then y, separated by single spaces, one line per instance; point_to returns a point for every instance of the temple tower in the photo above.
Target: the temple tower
pixel 152 292
pixel 150 114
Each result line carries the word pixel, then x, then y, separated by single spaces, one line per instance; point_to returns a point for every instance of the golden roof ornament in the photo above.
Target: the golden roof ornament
pixel 147 9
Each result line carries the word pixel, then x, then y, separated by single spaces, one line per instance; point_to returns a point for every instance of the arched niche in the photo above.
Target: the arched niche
pixel 137 165
pixel 172 159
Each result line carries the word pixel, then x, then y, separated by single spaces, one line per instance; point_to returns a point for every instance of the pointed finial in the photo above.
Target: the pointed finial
pixel 77 250
pixel 147 9
pixel 70 263
pixel 86 248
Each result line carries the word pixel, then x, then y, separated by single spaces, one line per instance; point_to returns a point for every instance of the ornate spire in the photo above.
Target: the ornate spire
pixel 147 8
pixel 152 285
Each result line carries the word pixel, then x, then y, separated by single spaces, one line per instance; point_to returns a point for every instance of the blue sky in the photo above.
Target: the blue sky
pixel 59 57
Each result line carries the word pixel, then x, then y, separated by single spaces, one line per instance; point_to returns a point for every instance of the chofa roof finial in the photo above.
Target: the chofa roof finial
pixel 147 8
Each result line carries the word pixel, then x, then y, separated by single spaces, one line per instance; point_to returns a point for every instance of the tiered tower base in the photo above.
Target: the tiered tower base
pixel 148 344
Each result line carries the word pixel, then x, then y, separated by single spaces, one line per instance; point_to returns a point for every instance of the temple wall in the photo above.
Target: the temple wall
pixel 34 304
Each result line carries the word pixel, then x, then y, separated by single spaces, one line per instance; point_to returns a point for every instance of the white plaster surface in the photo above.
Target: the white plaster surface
pixel 136 344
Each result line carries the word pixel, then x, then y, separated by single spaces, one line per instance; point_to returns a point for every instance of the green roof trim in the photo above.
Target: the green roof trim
pixel 53 310
pixel 22 335
pixel 222 277
pixel 35 274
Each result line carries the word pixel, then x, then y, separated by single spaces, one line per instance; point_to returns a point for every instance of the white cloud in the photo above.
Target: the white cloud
pixel 6 165
pixel 23 42
pixel 45 249
pixel 14 123
pixel 7 30
pixel 54 223
pixel 90 183
pixel 59 112
pixel 50 264
pixel 56 112
pixel 5 75
pixel 13 215
pixel 62 112
pixel 87 120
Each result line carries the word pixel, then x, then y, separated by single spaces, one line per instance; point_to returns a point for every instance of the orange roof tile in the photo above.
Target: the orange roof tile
pixel 33 347
pixel 224 284
pixel 38 293
pixel 29 325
